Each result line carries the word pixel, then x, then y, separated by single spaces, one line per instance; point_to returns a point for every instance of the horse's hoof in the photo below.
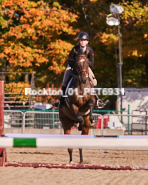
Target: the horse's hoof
pixel 92 124
pixel 76 125
pixel 80 128
pixel 71 162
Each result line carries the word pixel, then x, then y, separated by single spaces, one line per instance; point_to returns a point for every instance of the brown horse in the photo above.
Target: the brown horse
pixel 79 105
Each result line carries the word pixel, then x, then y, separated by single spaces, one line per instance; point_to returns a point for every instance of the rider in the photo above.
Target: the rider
pixel 82 47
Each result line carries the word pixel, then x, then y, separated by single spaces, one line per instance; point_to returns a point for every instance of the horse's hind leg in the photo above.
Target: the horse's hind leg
pixel 69 150
pixel 81 157
pixel 67 124
pixel 85 131
pixel 70 154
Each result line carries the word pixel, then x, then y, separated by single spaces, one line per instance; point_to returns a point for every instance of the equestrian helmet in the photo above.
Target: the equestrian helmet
pixel 83 35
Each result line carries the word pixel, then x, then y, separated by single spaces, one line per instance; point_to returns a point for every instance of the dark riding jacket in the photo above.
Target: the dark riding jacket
pixel 89 52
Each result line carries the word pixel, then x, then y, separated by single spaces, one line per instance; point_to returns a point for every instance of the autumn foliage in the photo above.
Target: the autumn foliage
pixel 34 39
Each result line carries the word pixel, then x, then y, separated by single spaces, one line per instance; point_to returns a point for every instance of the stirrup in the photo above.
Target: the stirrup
pixel 100 104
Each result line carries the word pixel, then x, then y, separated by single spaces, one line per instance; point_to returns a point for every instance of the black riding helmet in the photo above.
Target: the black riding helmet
pixel 83 35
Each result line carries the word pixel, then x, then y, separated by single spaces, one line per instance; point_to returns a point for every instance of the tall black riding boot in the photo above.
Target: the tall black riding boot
pixel 62 99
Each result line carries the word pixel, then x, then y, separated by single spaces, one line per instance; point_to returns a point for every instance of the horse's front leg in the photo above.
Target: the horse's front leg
pixel 91 104
pixel 69 149
pixel 78 116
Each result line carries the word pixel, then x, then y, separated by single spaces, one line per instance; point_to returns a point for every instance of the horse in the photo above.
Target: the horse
pixel 79 105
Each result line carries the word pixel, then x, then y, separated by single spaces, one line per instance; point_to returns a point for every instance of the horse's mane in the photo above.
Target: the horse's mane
pixel 82 53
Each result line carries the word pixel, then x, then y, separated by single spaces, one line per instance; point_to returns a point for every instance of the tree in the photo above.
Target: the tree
pixel 34 41
pixel 40 34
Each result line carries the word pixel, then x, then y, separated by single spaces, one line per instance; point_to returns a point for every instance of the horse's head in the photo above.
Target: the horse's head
pixel 81 67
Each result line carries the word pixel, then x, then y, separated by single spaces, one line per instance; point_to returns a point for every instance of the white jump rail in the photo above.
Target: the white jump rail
pixel 84 143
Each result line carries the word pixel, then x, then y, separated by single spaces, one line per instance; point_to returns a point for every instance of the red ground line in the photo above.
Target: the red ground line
pixel 75 166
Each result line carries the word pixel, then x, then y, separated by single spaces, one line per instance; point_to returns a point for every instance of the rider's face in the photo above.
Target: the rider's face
pixel 83 42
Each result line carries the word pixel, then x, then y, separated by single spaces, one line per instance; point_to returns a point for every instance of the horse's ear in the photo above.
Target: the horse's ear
pixel 75 51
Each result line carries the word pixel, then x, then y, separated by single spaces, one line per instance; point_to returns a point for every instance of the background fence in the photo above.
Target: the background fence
pixel 34 119
pixel 50 120
pixel 13 118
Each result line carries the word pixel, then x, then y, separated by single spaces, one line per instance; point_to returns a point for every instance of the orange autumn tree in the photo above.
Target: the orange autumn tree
pixel 17 88
pixel 38 38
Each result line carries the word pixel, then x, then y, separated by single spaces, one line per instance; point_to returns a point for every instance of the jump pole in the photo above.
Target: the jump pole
pixel 88 143
pixel 75 166
pixel 2 150
pixel 84 143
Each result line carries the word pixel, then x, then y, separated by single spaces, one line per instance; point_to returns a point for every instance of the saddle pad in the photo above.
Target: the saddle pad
pixel 66 92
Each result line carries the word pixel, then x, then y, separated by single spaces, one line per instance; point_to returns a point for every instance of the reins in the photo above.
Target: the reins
pixel 75 76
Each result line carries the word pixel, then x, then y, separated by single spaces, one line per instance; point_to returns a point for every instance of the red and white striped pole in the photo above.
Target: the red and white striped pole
pixel 1 108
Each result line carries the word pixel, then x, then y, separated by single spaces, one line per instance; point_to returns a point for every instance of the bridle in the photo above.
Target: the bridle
pixel 79 72
pixel 83 70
